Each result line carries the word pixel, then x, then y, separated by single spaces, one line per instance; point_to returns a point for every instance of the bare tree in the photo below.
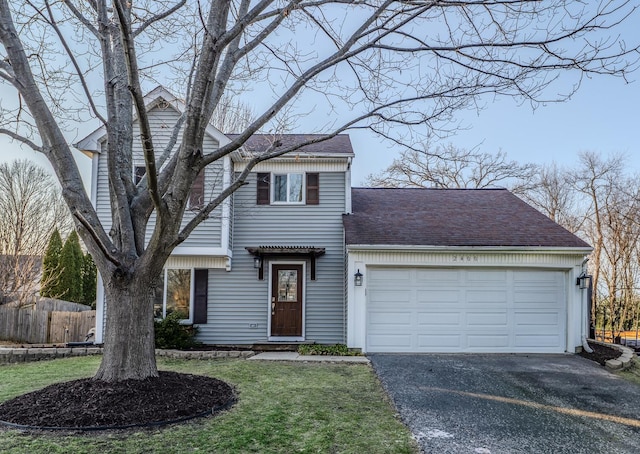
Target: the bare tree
pixel 232 115
pixel 618 268
pixel 596 179
pixel 396 68
pixel 31 207
pixel 553 193
pixel 451 167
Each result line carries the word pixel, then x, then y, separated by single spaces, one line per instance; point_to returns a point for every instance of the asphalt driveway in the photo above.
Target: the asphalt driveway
pixel 489 404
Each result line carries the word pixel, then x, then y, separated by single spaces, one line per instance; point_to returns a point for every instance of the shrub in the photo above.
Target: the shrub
pixel 329 350
pixel 170 333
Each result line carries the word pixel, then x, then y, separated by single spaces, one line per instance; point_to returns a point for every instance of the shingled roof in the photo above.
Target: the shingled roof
pixel 339 144
pixel 450 217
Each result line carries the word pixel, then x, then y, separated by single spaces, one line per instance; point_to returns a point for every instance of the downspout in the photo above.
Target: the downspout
pixel 585 344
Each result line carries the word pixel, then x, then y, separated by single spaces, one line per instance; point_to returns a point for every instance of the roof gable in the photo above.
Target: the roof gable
pixel 159 96
pixel 450 217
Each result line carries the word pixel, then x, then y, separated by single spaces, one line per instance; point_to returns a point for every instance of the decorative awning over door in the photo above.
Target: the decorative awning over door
pixel 310 252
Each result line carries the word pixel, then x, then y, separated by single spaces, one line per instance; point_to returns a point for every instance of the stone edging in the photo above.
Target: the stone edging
pixel 623 361
pixel 10 355
pixel 199 354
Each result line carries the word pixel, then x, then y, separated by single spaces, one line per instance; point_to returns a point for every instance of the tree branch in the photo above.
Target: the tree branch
pixel 21 139
pixel 158 17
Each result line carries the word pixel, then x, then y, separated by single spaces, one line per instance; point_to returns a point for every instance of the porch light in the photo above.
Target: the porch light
pixel 583 280
pixel 257 262
pixel 357 278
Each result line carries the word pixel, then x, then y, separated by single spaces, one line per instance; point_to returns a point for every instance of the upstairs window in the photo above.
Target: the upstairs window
pixel 196 196
pixel 288 188
pixel 138 173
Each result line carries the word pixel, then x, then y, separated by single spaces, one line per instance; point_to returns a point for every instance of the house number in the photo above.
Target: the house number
pixel 465 258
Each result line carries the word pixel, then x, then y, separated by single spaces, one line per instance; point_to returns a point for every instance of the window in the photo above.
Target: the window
pixel 287 188
pixel 196 196
pixel 178 295
pixel 138 173
pixel 182 290
pixel 293 188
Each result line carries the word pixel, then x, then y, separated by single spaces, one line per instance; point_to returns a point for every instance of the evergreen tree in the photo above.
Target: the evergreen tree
pixel 51 267
pixel 89 280
pixel 71 261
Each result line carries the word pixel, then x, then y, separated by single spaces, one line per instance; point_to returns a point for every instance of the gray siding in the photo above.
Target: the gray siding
pixel 237 299
pixel 207 234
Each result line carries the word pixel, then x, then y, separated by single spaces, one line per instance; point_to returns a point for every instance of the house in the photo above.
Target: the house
pixel 298 255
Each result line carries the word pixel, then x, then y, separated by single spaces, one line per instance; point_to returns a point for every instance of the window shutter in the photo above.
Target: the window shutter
pixel 200 294
pixel 196 196
pixel 263 194
pixel 313 189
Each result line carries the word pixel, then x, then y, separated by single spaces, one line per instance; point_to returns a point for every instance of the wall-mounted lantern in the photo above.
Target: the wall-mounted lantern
pixel 583 280
pixel 257 262
pixel 357 279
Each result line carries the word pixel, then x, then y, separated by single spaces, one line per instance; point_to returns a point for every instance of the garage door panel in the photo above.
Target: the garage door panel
pixel 438 342
pixel 395 276
pixel 486 277
pixel 390 343
pixel 486 297
pixel 391 297
pixel 482 341
pixel 466 309
pixel 437 296
pixel 390 319
pixel 440 319
pixel 537 319
pixel 536 278
pixel 537 341
pixel 487 319
pixel 438 277
pixel 539 297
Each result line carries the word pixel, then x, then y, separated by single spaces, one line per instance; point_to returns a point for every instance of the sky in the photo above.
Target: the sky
pixel 603 116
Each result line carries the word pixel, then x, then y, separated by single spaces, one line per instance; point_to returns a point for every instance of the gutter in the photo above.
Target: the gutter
pixel 583 336
pixel 458 249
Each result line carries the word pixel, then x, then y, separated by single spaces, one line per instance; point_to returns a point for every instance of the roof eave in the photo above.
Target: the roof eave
pixel 295 156
pixel 458 249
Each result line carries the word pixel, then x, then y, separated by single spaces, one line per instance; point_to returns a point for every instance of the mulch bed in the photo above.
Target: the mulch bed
pixel 601 353
pixel 93 404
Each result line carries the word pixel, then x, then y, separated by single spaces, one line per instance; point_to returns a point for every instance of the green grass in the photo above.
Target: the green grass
pixel 282 408
pixel 632 373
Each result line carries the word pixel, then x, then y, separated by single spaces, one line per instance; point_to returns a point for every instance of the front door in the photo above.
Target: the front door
pixel 286 300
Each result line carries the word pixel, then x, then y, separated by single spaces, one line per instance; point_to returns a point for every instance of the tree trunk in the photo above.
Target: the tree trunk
pixel 129 347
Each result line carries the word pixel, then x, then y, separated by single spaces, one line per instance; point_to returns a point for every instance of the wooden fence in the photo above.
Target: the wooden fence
pixel 35 326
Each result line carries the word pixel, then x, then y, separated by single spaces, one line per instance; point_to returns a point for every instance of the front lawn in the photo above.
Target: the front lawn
pixel 282 408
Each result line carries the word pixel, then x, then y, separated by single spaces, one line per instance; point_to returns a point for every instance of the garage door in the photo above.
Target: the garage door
pixel 465 310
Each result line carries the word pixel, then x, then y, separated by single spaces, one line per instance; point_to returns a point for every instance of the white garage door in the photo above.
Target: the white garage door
pixel 465 310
